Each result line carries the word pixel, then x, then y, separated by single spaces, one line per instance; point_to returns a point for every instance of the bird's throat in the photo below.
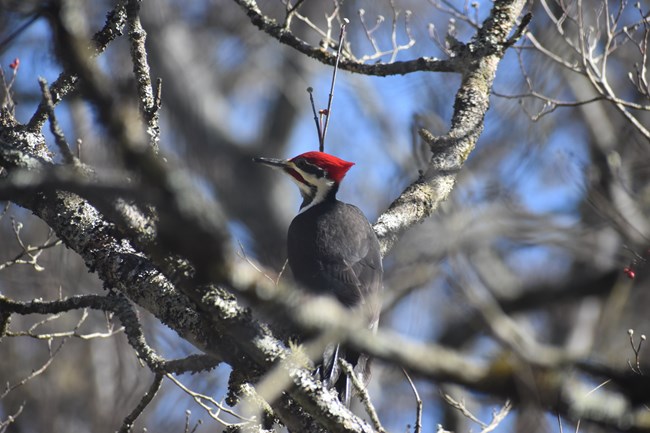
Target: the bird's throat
pixel 315 195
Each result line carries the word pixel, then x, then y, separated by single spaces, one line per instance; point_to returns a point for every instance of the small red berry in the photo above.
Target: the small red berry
pixel 629 272
pixel 15 64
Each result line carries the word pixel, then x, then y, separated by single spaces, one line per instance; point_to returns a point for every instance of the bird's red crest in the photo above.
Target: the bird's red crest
pixel 335 167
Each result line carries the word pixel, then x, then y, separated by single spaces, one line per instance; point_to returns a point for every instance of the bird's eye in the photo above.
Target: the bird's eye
pixel 310 168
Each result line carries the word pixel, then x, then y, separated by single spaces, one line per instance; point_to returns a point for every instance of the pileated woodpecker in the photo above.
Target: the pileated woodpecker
pixel 332 250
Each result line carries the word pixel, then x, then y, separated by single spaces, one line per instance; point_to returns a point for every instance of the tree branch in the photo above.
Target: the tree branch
pixel 224 330
pixel 285 36
pixel 481 56
pixel 66 82
pixel 119 305
pixel 148 396
pixel 149 103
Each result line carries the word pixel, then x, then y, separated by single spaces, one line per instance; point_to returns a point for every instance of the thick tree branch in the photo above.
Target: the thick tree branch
pixel 225 329
pixel 229 329
pixel 481 57
pixel 507 376
pixel 458 332
pixel 205 237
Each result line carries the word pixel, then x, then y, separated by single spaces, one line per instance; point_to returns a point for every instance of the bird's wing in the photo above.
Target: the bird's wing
pixel 356 277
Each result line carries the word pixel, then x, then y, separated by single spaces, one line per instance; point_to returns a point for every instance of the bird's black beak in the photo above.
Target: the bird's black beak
pixel 272 162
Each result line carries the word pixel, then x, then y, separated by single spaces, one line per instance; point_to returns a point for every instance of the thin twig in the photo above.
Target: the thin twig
pixel 38 371
pixel 148 396
pixel 597 387
pixel 395 47
pixel 188 413
pixel 637 351
pixel 450 9
pixel 369 31
pixel 362 392
pixel 4 425
pixel 8 101
pixel 201 400
pixel 321 145
pixel 418 402
pixel 284 267
pixel 331 96
pixel 27 250
pixel 291 10
pixel 460 406
pixel 497 417
pixel 6 41
pixel 127 316
pixel 65 334
pixel 59 138
pixel 243 255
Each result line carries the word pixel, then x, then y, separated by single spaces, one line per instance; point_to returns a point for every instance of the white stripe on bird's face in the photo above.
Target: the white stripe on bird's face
pixel 314 190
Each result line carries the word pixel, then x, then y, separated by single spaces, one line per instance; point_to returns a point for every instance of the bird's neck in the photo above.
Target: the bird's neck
pixel 317 194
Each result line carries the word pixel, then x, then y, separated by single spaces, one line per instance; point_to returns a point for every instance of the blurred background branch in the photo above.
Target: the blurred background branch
pixel 521 286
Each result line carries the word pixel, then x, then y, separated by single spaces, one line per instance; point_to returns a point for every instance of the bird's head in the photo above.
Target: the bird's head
pixel 317 174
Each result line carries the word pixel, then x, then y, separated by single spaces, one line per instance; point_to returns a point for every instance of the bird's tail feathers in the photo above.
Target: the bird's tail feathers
pixel 331 374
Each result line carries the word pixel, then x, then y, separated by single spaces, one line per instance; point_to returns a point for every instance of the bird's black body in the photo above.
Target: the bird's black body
pixel 333 251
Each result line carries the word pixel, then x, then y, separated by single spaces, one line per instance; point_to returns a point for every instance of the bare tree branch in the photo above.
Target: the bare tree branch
pixel 127 424
pixel 63 85
pixel 126 314
pixel 149 103
pixel 481 58
pixel 285 36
